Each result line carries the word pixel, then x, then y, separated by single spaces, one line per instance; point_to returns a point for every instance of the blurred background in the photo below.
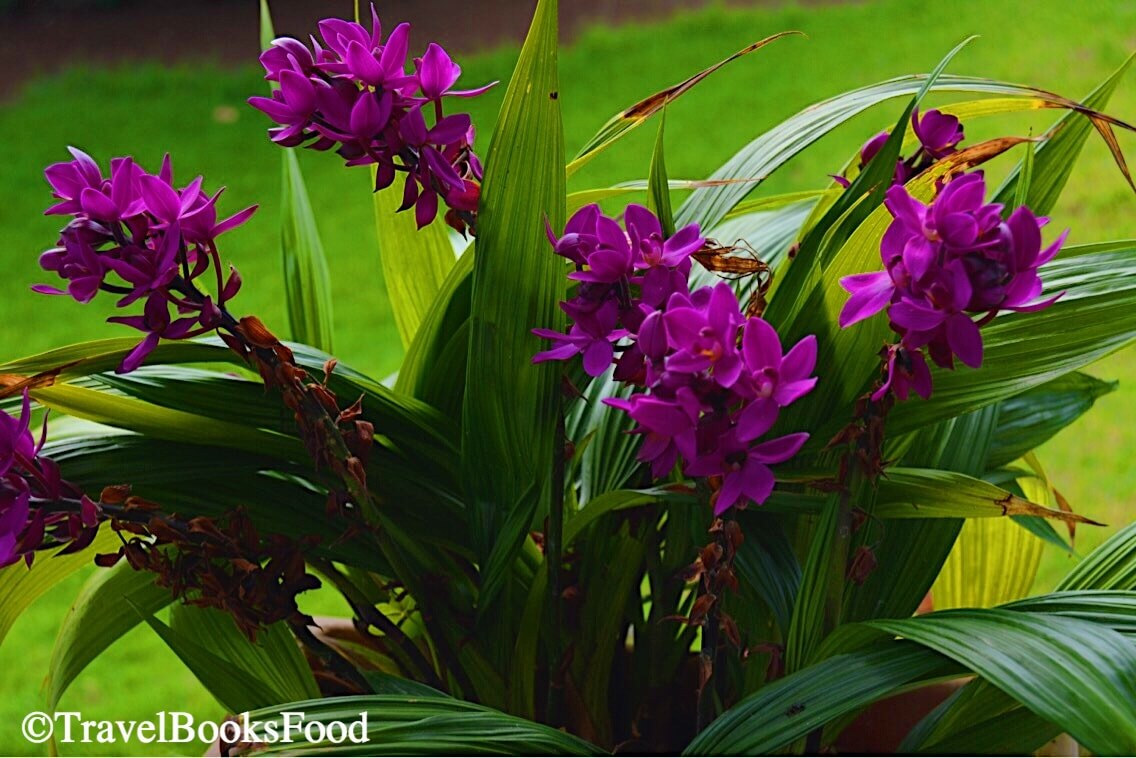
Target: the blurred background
pixel 123 77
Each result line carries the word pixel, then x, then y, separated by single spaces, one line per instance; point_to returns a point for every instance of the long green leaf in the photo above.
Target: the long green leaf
pixel 771 150
pixel 1029 419
pixel 766 562
pixel 517 283
pixel 20 586
pixel 932 493
pixel 98 617
pixel 438 334
pixel 415 261
pixel 402 725
pixel 307 285
pixel 659 197
pixel 1110 566
pixel 790 708
pixel 972 714
pixel 274 659
pixel 164 423
pixel 1045 661
pixel 233 687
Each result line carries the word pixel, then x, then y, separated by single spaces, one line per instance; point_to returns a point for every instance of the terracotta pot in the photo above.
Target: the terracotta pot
pixel 882 726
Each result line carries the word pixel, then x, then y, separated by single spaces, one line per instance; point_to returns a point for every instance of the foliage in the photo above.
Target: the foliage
pixel 498 536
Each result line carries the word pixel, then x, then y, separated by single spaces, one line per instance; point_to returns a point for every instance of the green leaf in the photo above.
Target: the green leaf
pixel 910 553
pixel 234 688
pixel 307 284
pixel 659 198
pixel 442 339
pixel 164 423
pixel 267 33
pixel 97 618
pixel 607 460
pixel 415 261
pixel 274 659
pixel 1028 420
pixel 993 561
pixel 972 713
pixel 1046 662
pixel 771 150
pixel 932 493
pixel 790 708
pixel 622 123
pixel 517 283
pixel 20 586
pixel 1025 177
pixel 766 562
pixel 812 617
pixel 1112 566
pixel 402 725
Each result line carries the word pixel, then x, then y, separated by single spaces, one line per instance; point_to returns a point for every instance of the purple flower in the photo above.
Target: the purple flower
pixel 579 237
pixel 155 238
pixel 938 133
pixel 667 426
pixel 744 468
pixel 68 181
pixel 704 333
pixel 772 380
pixel 353 94
pixel 14 514
pixel 944 264
pixel 906 370
pixel 156 322
pixel 437 73
pixel 26 526
pixel 705 401
pixel 16 443
pixel 592 336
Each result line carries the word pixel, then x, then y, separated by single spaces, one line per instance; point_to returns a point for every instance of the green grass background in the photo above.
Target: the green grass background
pixel 147 110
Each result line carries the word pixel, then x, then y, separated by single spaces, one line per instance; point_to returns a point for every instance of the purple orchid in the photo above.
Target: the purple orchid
pixel 27 482
pixel 939 135
pixel 703 333
pixel 591 335
pixel 156 238
pixel 744 468
pixel 353 94
pixel 437 73
pixel 944 264
pixel 706 400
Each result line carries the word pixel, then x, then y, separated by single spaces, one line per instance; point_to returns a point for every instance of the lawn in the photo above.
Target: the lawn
pixel 199 115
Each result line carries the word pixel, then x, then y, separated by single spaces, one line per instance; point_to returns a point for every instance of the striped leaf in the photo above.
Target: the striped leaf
pixel 511 406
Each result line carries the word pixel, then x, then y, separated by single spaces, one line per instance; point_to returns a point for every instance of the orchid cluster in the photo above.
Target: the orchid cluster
pixel 29 484
pixel 714 379
pixel 156 238
pixel 939 135
pixel 945 264
pixel 352 93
